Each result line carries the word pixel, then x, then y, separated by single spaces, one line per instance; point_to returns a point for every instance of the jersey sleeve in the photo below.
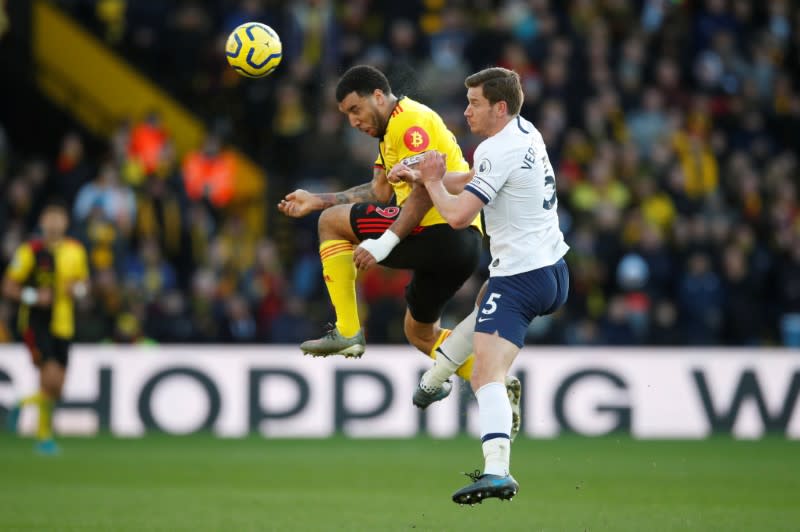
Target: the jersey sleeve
pixel 22 264
pixel 489 176
pixel 81 263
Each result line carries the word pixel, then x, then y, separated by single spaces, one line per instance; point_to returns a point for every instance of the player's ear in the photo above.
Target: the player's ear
pixel 379 96
pixel 502 108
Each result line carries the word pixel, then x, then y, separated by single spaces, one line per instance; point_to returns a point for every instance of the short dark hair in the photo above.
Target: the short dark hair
pixel 499 84
pixel 363 80
pixel 56 203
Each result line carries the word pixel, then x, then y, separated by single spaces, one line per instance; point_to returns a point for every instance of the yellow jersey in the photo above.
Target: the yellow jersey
pixel 57 268
pixel 414 128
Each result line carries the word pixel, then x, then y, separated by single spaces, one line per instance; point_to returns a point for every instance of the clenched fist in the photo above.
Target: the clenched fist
pixel 432 167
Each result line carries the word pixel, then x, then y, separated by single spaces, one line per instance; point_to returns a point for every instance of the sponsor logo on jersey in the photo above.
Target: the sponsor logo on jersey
pixel 416 139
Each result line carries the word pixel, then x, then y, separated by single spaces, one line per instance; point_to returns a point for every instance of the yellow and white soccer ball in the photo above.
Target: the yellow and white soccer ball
pixel 254 50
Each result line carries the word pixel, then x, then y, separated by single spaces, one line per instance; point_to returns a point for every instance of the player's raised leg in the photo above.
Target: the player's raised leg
pixel 432 350
pixel 431 288
pixel 336 252
pixel 454 356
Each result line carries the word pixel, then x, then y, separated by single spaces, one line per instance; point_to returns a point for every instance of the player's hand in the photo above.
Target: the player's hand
pixel 300 203
pixel 432 167
pixel 363 258
pixel 407 174
pixel 372 251
pixel 399 172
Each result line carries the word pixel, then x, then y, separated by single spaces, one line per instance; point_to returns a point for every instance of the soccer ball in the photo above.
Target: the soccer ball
pixel 254 50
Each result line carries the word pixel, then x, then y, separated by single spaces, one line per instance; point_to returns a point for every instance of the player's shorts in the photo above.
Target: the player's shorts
pixel 441 258
pixel 511 302
pixel 44 346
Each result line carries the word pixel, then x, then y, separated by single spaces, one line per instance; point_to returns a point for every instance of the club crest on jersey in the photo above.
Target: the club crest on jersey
pixel 416 138
pixel 484 166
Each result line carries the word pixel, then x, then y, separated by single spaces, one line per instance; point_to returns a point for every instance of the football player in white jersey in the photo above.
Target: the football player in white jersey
pixel 514 183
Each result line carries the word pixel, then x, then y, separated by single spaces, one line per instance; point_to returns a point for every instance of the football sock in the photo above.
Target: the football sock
pixel 442 337
pixel 45 430
pixel 442 369
pixel 494 417
pixel 465 370
pixel 34 399
pixel 454 355
pixel 339 272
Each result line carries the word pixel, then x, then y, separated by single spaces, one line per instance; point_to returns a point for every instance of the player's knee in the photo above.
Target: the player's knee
pixel 325 222
pixel 52 389
pixel 52 380
pixel 330 222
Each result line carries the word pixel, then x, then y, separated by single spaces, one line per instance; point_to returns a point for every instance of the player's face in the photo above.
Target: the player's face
pixel 54 222
pixel 480 114
pixel 363 113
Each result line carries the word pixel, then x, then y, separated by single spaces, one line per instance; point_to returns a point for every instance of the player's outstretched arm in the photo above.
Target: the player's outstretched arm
pixel 302 202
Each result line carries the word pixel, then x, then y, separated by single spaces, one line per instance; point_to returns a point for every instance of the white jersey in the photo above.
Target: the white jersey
pixel 514 178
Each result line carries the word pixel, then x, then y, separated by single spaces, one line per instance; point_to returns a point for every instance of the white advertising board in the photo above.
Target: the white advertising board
pixel 275 391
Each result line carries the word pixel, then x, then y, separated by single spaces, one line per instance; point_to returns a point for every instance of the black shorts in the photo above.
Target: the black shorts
pixel 441 258
pixel 44 345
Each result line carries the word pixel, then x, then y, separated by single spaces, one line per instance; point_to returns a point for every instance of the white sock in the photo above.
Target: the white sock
pixel 453 352
pixel 494 417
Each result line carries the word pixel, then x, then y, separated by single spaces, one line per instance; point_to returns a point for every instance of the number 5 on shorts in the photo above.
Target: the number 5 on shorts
pixel 490 306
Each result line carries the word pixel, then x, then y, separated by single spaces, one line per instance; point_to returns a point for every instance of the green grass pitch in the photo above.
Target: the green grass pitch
pixel 203 483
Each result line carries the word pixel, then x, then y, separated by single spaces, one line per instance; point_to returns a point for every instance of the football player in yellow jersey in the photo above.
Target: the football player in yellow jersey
pixel 45 276
pixel 393 224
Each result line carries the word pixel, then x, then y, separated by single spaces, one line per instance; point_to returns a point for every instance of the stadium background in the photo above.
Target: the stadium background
pixel 673 126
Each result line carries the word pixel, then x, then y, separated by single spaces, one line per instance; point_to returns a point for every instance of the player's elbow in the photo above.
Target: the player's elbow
pixel 455 183
pixel 460 220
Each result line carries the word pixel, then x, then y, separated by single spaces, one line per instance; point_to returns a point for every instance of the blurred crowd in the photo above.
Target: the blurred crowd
pixel 673 127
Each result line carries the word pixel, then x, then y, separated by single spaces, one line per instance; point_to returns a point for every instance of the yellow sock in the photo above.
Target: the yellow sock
pixel 465 370
pixel 45 431
pixel 443 334
pixel 339 272
pixel 34 399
